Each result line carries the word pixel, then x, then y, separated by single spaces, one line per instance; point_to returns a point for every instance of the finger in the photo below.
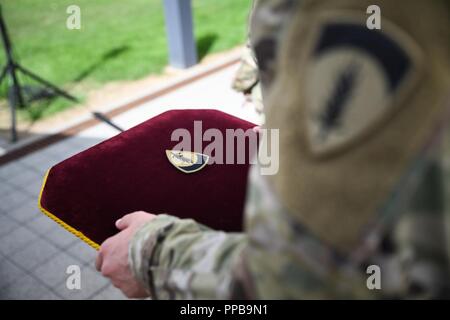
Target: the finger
pixel 99 261
pixel 124 222
pixel 257 129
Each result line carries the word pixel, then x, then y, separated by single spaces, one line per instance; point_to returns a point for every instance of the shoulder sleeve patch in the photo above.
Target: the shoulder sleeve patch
pixel 356 80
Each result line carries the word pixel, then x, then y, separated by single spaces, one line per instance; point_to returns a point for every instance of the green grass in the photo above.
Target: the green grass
pixel 118 40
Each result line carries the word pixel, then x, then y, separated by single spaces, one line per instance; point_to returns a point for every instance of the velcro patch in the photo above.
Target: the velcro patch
pixel 356 77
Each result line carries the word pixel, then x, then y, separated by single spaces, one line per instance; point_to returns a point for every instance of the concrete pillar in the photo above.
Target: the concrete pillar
pixel 180 33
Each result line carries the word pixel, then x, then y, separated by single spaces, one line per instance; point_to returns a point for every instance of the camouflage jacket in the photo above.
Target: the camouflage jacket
pixel 301 224
pixel 246 79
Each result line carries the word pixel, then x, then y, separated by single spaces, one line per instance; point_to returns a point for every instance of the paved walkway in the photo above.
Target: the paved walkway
pixel 34 251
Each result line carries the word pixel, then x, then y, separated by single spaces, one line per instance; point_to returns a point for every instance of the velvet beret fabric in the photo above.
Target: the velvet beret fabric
pixel 130 172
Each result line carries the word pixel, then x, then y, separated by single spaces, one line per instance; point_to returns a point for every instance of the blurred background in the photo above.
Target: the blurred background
pixel 127 62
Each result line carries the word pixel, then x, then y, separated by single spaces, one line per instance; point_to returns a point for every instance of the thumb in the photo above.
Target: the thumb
pixel 123 222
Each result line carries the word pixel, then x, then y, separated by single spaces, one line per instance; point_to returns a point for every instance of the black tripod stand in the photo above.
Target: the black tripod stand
pixel 16 98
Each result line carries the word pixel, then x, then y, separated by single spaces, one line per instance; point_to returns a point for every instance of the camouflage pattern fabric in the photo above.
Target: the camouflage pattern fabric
pixel 287 253
pixel 246 77
pixel 247 80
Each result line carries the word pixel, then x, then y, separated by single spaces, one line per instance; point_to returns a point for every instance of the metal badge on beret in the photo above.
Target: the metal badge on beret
pixel 187 161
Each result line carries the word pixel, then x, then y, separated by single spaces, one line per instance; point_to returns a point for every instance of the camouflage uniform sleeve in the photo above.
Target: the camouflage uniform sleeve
pixel 246 77
pixel 181 259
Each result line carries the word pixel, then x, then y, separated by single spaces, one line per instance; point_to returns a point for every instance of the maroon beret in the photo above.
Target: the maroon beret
pixel 139 170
